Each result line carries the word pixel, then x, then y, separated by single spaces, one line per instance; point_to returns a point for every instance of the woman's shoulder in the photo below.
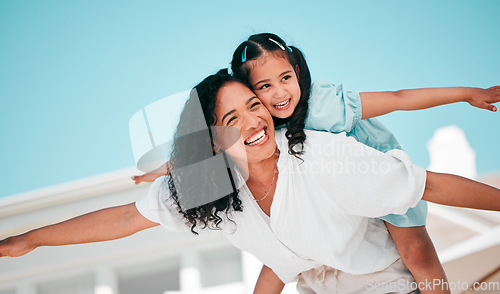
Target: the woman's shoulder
pixel 317 145
pixel 314 137
pixel 319 138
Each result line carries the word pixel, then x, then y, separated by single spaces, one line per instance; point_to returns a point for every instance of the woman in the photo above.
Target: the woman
pixel 285 213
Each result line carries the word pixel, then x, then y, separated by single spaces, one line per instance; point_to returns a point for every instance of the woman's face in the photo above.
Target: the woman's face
pixel 275 82
pixel 240 112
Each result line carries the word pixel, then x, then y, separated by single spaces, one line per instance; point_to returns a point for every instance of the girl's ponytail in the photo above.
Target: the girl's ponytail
pixel 296 122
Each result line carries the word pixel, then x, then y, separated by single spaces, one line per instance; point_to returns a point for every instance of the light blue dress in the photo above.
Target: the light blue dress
pixel 334 109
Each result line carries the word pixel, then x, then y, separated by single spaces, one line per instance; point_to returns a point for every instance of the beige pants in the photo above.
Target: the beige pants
pixel 322 280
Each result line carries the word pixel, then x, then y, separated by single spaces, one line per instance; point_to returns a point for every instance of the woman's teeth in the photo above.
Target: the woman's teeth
pixel 257 138
pixel 282 104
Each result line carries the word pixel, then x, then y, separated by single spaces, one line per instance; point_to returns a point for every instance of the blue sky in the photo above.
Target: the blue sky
pixel 72 73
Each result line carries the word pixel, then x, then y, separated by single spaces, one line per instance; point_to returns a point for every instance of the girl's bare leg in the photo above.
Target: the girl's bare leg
pixel 418 253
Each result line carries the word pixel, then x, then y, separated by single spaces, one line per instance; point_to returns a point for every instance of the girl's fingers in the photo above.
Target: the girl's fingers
pixel 137 179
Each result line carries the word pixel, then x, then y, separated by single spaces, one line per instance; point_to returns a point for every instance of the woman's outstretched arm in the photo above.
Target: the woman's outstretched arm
pixel 101 225
pixel 458 191
pixel 380 103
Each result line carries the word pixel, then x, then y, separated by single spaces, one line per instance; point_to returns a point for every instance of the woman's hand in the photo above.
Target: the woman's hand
pixel 15 246
pixel 484 98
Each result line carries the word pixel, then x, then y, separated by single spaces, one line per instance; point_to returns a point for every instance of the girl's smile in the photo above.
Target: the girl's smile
pixel 283 105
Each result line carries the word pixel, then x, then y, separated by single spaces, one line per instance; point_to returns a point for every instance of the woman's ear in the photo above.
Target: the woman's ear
pixel 297 70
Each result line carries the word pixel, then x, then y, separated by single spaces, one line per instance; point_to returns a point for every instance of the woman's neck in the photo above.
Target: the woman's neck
pixel 261 173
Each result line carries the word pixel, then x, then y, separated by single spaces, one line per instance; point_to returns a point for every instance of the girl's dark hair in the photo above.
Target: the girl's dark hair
pixel 194 145
pixel 260 45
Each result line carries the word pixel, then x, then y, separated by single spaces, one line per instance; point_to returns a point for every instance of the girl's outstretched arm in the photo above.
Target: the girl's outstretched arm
pixel 458 191
pixel 268 282
pixel 101 225
pixel 380 103
pixel 153 175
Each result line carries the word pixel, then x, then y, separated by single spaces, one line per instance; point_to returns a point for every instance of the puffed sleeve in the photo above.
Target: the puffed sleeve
pixel 332 108
pixel 158 207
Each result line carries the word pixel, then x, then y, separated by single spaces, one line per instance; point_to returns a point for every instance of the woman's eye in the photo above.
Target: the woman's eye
pixel 254 105
pixel 231 120
pixel 286 78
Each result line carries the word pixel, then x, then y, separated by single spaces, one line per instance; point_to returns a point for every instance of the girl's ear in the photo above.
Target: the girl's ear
pixel 297 70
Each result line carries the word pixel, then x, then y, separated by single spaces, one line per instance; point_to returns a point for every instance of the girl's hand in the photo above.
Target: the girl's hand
pixel 147 177
pixel 484 98
pixel 15 246
pixel 152 176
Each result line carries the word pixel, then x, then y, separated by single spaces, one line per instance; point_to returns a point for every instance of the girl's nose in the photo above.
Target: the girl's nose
pixel 279 91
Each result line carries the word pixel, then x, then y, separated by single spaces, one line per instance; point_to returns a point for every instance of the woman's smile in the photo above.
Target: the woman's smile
pixel 258 138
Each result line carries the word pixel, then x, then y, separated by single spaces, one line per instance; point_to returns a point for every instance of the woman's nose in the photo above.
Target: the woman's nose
pixel 251 120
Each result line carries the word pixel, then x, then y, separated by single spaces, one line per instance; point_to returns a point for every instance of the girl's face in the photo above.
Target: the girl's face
pixel 238 109
pixel 276 84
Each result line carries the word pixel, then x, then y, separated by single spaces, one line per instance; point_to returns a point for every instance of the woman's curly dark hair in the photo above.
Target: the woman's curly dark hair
pixel 259 45
pixel 193 144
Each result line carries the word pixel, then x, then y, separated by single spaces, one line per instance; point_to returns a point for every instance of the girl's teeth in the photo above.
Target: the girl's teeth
pixel 282 104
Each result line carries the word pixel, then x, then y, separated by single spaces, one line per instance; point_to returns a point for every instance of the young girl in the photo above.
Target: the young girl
pixel 280 77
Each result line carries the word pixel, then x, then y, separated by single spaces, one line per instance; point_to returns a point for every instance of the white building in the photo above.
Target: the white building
pixel 157 261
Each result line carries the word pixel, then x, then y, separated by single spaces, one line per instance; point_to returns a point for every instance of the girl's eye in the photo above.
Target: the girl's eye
pixel 264 87
pixel 286 78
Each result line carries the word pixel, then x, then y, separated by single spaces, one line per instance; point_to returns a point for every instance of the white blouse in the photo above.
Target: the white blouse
pixel 323 208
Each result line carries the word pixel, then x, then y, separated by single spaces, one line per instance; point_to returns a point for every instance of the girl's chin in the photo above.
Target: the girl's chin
pixel 282 114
